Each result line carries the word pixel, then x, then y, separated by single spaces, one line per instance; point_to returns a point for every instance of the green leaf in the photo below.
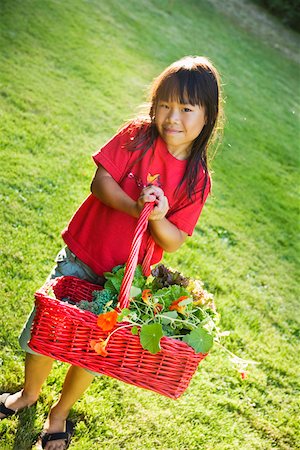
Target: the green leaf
pixel 117 268
pixel 185 302
pixel 169 294
pixel 115 273
pixel 135 330
pixel 165 319
pixel 150 337
pixel 115 277
pixel 134 291
pixel 125 312
pixel 110 287
pixel 199 339
pixel 139 279
pixel 114 280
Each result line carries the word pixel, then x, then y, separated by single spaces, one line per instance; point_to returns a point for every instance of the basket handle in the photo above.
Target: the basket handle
pixel 134 254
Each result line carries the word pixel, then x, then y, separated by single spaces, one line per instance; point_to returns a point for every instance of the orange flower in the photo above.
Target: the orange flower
pixel 107 320
pixel 99 346
pixel 175 305
pixel 146 295
pixel 157 308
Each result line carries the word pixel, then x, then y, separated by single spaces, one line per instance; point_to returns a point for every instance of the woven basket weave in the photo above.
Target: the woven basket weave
pixel 63 331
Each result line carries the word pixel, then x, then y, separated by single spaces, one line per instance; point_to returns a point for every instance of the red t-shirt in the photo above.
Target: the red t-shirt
pixel 101 236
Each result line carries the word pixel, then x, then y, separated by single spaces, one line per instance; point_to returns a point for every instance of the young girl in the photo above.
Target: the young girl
pixel 161 158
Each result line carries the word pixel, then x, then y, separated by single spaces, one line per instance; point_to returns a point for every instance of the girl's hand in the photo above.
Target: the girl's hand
pixel 154 194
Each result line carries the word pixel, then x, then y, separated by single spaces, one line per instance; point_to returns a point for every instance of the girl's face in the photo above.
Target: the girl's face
pixel 179 125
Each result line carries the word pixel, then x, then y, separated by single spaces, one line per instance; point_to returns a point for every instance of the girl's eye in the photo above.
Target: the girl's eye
pixel 187 110
pixel 164 105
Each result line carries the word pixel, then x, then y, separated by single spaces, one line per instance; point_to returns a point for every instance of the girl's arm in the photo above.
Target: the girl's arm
pixel 106 189
pixel 165 234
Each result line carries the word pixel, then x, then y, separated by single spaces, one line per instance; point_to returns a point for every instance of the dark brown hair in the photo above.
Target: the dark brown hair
pixel 190 80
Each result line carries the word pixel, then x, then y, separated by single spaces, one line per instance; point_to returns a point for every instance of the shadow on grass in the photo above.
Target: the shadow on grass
pixel 25 436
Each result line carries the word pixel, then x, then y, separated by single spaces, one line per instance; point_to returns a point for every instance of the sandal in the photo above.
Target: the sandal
pixel 3 409
pixel 66 435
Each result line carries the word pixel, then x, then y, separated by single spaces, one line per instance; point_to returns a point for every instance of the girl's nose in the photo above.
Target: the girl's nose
pixel 173 116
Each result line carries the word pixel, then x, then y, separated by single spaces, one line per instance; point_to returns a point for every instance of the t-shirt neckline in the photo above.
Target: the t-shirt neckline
pixel 161 146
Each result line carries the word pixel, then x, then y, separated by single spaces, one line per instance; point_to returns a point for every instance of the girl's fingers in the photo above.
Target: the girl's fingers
pixel 150 198
pixel 153 190
pixel 154 194
pixel 147 197
pixel 160 210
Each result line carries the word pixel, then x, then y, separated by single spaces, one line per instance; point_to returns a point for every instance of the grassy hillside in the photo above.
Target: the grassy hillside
pixel 71 73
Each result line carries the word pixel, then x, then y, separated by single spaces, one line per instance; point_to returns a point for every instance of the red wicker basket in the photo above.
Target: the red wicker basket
pixel 63 331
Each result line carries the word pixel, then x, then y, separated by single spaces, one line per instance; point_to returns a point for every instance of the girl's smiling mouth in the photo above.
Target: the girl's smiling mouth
pixel 172 131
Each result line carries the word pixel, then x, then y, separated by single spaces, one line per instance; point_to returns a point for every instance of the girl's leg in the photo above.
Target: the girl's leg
pixel 37 368
pixel 76 382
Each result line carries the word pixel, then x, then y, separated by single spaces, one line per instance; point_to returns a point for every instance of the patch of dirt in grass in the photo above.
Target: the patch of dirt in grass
pixel 260 23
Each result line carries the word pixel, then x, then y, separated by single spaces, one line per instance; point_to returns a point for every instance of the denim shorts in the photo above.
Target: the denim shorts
pixel 67 264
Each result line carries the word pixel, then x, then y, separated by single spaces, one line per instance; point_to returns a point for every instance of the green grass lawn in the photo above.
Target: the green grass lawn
pixel 71 73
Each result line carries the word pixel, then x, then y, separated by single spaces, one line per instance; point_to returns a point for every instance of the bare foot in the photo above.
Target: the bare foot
pixel 54 424
pixel 17 401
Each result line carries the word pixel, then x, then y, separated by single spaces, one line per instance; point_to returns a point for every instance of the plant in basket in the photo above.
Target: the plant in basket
pixel 164 304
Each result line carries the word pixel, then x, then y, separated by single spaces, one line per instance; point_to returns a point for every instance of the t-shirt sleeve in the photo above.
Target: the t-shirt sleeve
pixel 185 215
pixel 114 155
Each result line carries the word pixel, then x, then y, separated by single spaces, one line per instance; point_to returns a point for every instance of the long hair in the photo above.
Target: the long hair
pixel 190 80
